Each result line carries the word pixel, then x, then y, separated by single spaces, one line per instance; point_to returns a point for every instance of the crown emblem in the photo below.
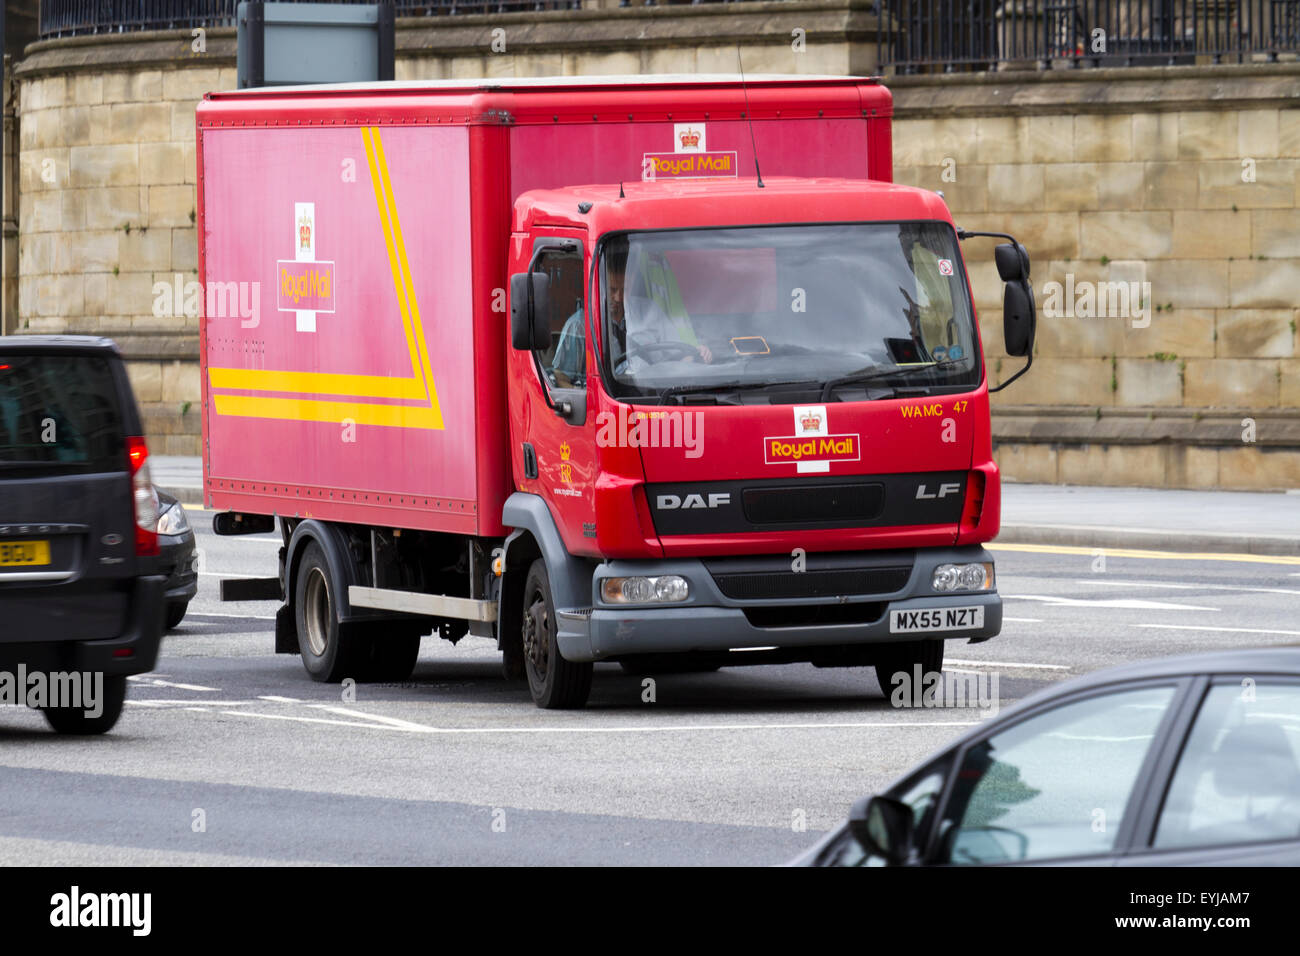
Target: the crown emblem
pixel 690 139
pixel 304 232
pixel 564 451
pixel 810 423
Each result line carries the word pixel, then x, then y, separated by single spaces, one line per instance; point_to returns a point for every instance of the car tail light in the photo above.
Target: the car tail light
pixel 146 498
pixel 974 505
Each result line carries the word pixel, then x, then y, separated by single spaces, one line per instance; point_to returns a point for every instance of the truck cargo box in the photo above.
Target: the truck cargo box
pixel 353 245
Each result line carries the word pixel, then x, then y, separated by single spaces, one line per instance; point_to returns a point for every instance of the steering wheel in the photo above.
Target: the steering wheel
pixel 684 348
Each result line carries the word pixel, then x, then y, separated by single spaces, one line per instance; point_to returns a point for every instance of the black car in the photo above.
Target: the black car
pixel 81 596
pixel 178 557
pixel 1182 761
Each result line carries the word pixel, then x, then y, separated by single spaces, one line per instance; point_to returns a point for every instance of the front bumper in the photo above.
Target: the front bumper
pixel 711 622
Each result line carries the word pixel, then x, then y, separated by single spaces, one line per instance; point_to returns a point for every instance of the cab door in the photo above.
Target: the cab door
pixel 552 421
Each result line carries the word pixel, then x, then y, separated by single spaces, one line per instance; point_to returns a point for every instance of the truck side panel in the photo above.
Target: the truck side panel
pixel 339 351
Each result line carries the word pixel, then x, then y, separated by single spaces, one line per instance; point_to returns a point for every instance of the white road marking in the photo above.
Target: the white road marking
pixel 188 702
pixel 1009 665
pixel 1228 630
pixel 687 728
pixel 231 574
pixel 155 682
pixel 1132 604
pixel 390 721
pixel 278 699
pixel 1187 587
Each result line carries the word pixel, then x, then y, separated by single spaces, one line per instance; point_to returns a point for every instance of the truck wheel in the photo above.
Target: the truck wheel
pixel 904 657
pixel 330 651
pixel 73 720
pixel 554 682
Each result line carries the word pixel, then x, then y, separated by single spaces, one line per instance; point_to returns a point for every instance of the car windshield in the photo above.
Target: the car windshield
pixel 748 309
pixel 59 415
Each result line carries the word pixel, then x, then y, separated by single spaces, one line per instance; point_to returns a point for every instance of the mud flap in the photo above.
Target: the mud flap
pixel 286 631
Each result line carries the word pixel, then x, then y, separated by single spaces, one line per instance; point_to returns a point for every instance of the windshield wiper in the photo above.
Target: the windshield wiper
pixel 876 374
pixel 728 387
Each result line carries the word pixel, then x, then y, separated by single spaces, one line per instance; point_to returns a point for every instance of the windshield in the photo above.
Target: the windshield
pixel 743 309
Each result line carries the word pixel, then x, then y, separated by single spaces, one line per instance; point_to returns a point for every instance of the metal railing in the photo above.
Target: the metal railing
pixel 61 18
pixel 958 35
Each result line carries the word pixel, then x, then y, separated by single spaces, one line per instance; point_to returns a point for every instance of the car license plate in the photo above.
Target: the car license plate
pixel 24 553
pixel 936 619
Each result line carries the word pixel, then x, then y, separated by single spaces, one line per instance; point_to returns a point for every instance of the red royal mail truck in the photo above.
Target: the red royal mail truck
pixel 657 371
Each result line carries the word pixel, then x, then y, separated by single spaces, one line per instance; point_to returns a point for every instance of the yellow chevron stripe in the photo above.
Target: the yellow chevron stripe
pixel 419 386
pixel 400 246
pixel 318 410
pixel 317 383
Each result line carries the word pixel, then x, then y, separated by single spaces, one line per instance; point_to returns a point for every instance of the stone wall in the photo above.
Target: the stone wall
pixel 1183 178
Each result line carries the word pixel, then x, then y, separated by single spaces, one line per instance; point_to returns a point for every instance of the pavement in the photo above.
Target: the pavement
pixel 1215 522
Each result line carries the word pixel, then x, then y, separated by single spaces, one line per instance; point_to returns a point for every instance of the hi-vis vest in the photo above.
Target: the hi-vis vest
pixel 661 286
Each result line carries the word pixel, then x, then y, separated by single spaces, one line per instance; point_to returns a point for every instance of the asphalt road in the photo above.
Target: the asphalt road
pixel 228 753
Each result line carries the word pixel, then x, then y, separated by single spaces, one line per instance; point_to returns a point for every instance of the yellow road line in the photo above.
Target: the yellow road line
pixel 1152 555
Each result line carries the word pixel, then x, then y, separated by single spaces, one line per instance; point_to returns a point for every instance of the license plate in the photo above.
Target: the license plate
pixel 24 553
pixel 936 619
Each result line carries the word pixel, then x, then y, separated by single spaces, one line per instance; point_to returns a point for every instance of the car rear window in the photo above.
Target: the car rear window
pixel 59 415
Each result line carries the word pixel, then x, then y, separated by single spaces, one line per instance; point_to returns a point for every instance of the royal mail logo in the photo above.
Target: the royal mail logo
pixel 690 165
pixel 812 448
pixel 819 451
pixel 304 286
pixel 565 451
pixel 690 139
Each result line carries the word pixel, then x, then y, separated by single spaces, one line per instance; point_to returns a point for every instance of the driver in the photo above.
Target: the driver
pixel 651 323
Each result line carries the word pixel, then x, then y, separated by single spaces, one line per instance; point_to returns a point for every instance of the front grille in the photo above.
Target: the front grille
pixel 767 585
pixel 844 503
pixel 815 615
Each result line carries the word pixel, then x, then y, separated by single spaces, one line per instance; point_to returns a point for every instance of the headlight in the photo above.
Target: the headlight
pixel 173 521
pixel 666 589
pixel 963 577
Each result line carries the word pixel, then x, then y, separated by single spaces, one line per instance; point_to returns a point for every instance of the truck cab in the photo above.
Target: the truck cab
pixel 756 414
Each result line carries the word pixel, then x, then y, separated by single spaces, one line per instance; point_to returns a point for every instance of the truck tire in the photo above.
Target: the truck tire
pixel 904 657
pixel 556 684
pixel 73 720
pixel 330 651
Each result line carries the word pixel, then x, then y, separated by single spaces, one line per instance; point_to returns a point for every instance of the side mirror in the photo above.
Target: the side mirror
pixel 1012 261
pixel 530 309
pixel 1018 317
pixel 883 826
